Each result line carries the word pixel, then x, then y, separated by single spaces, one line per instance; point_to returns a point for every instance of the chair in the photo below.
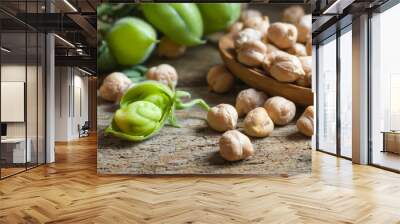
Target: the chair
pixel 84 129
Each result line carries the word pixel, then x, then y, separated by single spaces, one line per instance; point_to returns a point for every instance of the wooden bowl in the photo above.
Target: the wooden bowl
pixel 257 78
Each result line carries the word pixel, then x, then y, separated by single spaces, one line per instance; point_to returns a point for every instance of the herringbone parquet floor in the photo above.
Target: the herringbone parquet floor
pixel 69 191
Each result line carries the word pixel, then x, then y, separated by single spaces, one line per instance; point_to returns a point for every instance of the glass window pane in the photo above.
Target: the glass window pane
pixel 31 97
pixel 14 153
pixel 385 90
pixel 327 96
pixel 346 94
pixel 41 99
pixel 23 82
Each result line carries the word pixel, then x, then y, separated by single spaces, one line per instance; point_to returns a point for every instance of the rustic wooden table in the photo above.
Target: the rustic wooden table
pixel 193 149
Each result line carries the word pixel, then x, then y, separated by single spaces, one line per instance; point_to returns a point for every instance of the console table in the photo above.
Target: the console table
pixel 13 150
pixel 391 141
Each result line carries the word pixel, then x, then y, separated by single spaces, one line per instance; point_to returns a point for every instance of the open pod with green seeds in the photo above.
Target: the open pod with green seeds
pixel 145 108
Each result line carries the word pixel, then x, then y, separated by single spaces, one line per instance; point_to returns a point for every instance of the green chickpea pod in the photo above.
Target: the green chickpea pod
pixel 218 16
pixel 145 108
pixel 181 22
pixel 131 40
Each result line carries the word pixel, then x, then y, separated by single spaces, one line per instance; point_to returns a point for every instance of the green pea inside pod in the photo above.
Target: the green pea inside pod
pixel 139 118
pixel 181 22
pixel 131 40
pixel 218 16
pixel 161 100
pixel 151 91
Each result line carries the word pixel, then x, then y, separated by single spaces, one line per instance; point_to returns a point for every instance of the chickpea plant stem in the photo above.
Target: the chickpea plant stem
pixel 197 102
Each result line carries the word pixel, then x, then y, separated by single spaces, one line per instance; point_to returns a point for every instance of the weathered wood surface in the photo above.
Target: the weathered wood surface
pixel 193 149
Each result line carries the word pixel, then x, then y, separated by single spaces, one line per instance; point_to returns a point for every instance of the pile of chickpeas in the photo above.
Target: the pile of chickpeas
pixel 283 51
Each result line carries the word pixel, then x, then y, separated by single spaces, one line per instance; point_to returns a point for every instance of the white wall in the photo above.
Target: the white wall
pixel 80 110
pixel 33 126
pixel 16 73
pixel 61 104
pixel 71 94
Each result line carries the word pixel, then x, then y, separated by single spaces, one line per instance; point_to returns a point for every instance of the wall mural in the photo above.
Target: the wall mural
pixel 207 88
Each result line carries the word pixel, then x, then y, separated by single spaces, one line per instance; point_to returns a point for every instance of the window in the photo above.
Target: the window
pixel 346 75
pixel 327 96
pixel 334 106
pixel 22 76
pixel 385 89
